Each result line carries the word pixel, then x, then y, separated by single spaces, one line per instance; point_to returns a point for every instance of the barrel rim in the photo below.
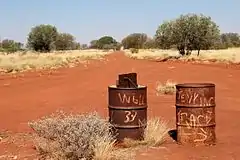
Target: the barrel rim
pixel 195 85
pixel 178 105
pixel 121 88
pixel 142 107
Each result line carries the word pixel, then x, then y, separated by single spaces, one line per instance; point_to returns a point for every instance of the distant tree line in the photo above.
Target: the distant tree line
pixel 10 46
pixel 186 33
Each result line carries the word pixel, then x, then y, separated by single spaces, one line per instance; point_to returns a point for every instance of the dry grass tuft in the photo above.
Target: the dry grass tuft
pixel 151 54
pixel 154 134
pixel 224 55
pixel 63 136
pixel 72 137
pixel 23 61
pixel 167 88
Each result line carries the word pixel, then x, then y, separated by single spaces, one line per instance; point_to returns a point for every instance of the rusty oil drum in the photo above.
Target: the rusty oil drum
pixel 128 111
pixel 195 113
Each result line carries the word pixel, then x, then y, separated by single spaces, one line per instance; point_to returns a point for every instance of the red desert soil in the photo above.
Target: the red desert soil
pixel 84 89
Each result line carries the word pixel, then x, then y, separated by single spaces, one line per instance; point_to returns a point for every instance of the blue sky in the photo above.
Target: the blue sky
pixel 88 20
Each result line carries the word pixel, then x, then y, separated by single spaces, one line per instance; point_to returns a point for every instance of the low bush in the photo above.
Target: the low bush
pixel 72 137
pixel 63 136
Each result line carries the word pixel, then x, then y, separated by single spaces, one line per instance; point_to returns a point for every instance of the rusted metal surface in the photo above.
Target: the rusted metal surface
pixel 195 113
pixel 128 111
pixel 128 80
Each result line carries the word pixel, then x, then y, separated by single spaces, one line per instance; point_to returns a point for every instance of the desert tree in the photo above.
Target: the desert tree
pixel 135 40
pixel 65 41
pixel 150 43
pixel 106 42
pixel 93 44
pixel 188 32
pixel 230 39
pixel 11 46
pixel 42 38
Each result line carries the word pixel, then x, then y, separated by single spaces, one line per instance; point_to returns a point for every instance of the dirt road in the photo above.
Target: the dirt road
pixel 83 89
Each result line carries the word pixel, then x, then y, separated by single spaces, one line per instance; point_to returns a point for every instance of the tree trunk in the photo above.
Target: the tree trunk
pixel 198 53
pixel 181 50
pixel 189 49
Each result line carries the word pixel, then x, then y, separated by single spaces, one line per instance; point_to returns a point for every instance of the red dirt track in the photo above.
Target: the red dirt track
pixel 84 89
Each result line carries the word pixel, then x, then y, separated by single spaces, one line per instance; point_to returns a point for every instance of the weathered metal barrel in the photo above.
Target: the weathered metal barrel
pixel 128 108
pixel 195 113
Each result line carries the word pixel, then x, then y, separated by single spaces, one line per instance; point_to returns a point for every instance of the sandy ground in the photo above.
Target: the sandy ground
pixel 84 89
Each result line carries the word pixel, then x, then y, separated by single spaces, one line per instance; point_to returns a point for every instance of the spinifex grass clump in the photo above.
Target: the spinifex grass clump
pixel 154 134
pixel 166 88
pixel 73 137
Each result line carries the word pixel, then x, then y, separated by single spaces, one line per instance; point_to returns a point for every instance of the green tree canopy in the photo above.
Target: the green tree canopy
pixel 93 44
pixel 188 32
pixel 106 42
pixel 150 43
pixel 230 40
pixel 42 38
pixel 134 40
pixel 65 41
pixel 10 46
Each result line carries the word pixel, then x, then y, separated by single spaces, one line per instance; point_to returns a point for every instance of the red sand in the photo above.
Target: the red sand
pixel 82 89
